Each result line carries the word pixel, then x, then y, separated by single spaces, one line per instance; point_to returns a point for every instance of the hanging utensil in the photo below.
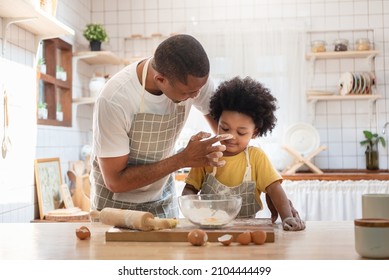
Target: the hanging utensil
pixel 6 144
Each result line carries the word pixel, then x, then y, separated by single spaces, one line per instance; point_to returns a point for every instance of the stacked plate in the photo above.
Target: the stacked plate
pixel 356 83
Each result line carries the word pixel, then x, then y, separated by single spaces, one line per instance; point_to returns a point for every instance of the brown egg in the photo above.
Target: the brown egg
pixel 225 239
pixel 83 233
pixel 244 238
pixel 258 237
pixel 197 237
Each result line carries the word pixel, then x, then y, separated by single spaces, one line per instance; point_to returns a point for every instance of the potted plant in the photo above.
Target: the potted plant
pixel 95 33
pixel 371 153
pixel 42 110
pixel 60 73
pixel 42 65
pixel 59 113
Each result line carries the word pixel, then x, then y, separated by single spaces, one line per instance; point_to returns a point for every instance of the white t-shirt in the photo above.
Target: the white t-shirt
pixel 120 100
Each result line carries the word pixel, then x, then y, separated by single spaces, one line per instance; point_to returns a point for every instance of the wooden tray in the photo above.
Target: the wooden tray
pixel 180 233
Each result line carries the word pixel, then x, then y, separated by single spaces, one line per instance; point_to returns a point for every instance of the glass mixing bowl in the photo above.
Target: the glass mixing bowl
pixel 210 210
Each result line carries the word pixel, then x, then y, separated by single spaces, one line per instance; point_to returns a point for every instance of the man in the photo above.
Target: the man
pixel 137 119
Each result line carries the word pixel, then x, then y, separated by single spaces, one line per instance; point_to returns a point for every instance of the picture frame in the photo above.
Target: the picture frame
pixel 48 178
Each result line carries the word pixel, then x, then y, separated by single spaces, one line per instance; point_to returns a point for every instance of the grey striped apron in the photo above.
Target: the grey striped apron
pixel 152 138
pixel 246 190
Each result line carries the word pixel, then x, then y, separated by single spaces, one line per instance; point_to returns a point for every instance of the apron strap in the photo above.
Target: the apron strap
pixel 144 75
pixel 247 174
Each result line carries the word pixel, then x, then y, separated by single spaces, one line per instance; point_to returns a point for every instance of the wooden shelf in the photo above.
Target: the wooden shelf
pixel 100 57
pixel 341 174
pixel 54 91
pixel 96 58
pixel 84 100
pixel 52 80
pixel 338 55
pixel 156 36
pixel 36 20
pixel 371 97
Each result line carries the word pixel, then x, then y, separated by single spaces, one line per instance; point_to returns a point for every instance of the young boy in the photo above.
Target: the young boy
pixel 244 109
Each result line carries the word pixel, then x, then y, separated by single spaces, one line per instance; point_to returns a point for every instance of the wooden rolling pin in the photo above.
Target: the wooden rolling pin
pixel 139 220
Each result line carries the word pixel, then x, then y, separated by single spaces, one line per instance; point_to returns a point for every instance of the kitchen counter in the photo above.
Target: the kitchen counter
pixel 57 241
pixel 341 175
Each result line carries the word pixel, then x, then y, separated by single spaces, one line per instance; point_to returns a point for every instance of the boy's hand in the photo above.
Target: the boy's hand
pixel 293 224
pixel 274 212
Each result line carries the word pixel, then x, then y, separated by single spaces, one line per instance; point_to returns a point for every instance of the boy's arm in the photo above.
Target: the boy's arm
pixel 189 189
pixel 278 200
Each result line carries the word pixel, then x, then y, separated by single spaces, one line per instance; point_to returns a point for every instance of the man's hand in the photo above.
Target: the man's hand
pixel 200 151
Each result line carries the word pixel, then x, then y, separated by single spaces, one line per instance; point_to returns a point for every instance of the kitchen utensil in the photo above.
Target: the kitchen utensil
pixel 346 83
pixel 303 137
pixel 371 238
pixel 375 205
pixel 368 82
pixel 302 142
pixel 180 232
pixel 210 210
pixel 140 220
pixel 81 193
pixel 79 167
pixel 6 144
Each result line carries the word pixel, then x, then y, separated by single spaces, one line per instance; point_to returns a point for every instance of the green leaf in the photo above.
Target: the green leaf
pixel 95 32
pixel 372 139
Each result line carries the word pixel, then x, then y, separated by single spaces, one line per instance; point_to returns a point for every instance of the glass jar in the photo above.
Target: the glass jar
pixel 341 45
pixel 372 157
pixel 318 46
pixel 362 44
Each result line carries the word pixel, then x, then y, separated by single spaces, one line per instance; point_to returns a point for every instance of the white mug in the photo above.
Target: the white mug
pixel 375 205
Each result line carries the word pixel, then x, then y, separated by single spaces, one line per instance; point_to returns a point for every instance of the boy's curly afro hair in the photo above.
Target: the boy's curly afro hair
pixel 248 97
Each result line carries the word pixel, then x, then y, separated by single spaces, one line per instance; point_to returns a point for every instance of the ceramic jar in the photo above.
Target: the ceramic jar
pixel 371 238
pixel 95 85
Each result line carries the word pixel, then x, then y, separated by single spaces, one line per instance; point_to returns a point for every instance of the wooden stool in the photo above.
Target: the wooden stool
pixel 301 160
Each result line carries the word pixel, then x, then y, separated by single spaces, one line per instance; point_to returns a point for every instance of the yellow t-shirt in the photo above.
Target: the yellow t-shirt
pixel 232 173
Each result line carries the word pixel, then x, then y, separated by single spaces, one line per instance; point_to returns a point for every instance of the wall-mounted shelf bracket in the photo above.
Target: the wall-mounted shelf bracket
pixel 7 22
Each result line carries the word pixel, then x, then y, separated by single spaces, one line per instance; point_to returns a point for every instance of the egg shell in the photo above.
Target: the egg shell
pixel 258 237
pixel 197 237
pixel 225 239
pixel 83 233
pixel 244 238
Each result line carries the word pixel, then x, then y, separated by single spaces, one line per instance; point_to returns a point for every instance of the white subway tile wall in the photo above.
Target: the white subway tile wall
pixel 340 124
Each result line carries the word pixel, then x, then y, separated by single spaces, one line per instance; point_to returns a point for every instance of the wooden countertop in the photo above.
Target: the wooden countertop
pixel 341 174
pixel 57 241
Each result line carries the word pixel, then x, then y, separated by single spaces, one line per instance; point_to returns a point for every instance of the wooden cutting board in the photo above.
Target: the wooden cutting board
pixel 180 233
pixel 67 215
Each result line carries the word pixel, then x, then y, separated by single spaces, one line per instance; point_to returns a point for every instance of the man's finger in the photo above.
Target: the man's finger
pixel 199 136
pixel 218 138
